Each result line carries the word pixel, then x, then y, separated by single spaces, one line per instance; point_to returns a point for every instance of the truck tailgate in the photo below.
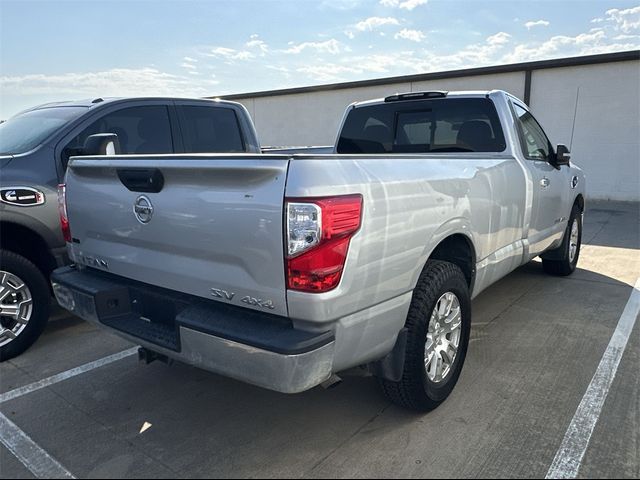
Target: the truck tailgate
pixel 207 225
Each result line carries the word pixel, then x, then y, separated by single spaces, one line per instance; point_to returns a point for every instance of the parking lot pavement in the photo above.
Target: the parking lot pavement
pixel 536 344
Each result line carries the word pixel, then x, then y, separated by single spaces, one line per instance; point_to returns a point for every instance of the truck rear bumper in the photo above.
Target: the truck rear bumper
pixel 251 346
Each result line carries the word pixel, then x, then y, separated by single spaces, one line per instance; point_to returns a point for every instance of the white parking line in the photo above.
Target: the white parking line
pixel 568 459
pixel 32 387
pixel 39 462
pixel 30 454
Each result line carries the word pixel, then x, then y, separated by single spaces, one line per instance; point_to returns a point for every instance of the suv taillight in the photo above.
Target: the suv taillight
pixel 318 234
pixel 62 209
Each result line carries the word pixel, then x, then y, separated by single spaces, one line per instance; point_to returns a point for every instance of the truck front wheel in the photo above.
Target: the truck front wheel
pixel 438 326
pixel 24 304
pixel 564 259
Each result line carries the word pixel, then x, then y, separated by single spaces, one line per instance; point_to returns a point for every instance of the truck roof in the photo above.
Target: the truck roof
pixel 426 94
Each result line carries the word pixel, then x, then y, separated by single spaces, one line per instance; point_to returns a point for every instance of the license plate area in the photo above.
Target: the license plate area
pixel 154 308
pixel 144 315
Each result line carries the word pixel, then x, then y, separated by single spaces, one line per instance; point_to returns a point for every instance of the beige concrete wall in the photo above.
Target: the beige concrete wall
pixel 314 118
pixel 606 138
pixel 510 82
pixel 310 118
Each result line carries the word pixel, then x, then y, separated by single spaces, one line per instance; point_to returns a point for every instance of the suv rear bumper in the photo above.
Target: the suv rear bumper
pixel 251 346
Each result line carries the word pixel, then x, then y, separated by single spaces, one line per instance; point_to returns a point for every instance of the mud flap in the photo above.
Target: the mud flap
pixel 391 367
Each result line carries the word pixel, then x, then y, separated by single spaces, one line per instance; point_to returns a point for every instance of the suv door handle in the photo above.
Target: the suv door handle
pixel 545 182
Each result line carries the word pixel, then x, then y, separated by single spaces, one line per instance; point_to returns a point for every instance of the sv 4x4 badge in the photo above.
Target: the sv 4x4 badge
pixel 254 302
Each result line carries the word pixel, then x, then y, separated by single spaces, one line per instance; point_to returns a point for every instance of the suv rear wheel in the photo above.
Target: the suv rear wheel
pixel 24 304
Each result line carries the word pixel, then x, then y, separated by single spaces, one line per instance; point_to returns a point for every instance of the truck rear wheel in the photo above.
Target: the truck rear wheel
pixel 563 261
pixel 24 304
pixel 438 326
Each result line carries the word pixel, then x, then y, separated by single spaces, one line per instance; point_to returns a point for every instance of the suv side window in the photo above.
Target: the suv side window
pixel 144 129
pixel 210 130
pixel 534 142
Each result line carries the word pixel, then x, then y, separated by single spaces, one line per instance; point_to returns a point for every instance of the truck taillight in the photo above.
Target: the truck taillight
pixel 319 231
pixel 62 209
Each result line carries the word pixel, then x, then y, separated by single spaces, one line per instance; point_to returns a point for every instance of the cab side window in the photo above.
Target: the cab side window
pixel 210 130
pixel 535 144
pixel 140 130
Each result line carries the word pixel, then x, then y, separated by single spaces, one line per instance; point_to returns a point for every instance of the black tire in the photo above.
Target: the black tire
pixel 415 391
pixel 41 302
pixel 558 262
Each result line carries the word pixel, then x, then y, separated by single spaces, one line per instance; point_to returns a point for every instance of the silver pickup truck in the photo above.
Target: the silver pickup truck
pixel 285 269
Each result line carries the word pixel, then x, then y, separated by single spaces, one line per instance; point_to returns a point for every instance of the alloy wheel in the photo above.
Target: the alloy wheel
pixel 443 337
pixel 16 307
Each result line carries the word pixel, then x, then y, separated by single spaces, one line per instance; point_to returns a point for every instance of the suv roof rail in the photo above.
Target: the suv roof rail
pixel 97 100
pixel 398 97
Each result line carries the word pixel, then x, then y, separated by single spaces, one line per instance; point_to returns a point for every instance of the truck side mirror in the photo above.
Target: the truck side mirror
pixel 101 144
pixel 562 155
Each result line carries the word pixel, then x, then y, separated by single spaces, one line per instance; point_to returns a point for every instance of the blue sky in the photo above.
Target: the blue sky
pixel 58 50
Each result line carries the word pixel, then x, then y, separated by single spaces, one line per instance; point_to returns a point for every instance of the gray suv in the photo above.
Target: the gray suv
pixel 35 147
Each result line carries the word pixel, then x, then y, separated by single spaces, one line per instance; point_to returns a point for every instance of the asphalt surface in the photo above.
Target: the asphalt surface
pixel 536 344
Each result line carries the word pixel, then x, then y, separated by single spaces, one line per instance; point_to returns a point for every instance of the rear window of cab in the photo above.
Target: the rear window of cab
pixel 424 126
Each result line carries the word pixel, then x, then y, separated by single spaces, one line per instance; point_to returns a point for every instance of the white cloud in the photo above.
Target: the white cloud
pixel 328 72
pixel 495 49
pixel 115 82
pixel 382 64
pixel 229 53
pixel 255 42
pixel 340 4
pixel 484 53
pixel 278 68
pixel 350 35
pixel 331 46
pixel 406 4
pixel 372 23
pixel 536 23
pixel 626 37
pixel 413 35
pixel 190 59
pixel 189 66
pixel 627 20
pixel 563 46
pixel 499 39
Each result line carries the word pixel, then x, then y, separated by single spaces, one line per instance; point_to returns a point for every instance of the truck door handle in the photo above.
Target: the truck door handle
pixel 545 182
pixel 147 180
